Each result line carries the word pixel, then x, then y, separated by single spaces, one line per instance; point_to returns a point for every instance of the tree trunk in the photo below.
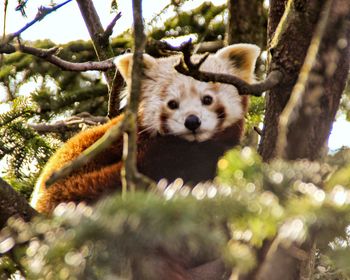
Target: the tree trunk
pixel 288 48
pixel 317 96
pixel 308 133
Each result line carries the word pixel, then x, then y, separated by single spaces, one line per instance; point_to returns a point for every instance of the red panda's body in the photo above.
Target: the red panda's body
pixel 184 127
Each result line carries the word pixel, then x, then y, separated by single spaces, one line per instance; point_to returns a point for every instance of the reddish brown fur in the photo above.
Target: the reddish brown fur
pixel 158 157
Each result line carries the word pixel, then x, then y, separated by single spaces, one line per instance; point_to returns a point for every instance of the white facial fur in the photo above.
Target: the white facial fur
pixel 163 83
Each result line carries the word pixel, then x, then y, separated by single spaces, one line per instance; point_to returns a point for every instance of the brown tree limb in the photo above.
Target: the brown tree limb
pixel 103 51
pixel 244 88
pixel 66 65
pixel 72 123
pixel 188 68
pixel 312 120
pixel 131 178
pixel 13 204
pixel 49 55
pixel 288 48
pixel 109 29
pixel 276 11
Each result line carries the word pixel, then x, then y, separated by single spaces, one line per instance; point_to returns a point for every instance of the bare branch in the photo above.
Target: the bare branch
pixel 103 51
pixel 72 123
pixel 131 178
pixel 188 68
pixel 49 55
pixel 42 12
pixel 66 65
pixel 109 30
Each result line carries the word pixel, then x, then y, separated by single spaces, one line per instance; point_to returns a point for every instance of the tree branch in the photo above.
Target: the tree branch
pixel 49 55
pixel 109 30
pixel 42 12
pixel 13 204
pixel 103 51
pixel 131 178
pixel 72 123
pixel 188 68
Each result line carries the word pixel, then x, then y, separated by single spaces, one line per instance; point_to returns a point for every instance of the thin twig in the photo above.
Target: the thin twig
pixel 299 88
pixel 72 123
pixel 42 12
pixel 188 68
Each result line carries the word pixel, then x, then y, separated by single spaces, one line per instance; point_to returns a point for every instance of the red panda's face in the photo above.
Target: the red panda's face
pixel 174 104
pixel 192 110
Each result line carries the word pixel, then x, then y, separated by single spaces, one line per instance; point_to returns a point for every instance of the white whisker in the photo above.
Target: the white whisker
pixel 146 130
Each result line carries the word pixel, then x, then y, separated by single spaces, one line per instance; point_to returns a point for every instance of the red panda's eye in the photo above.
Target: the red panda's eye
pixel 173 105
pixel 207 100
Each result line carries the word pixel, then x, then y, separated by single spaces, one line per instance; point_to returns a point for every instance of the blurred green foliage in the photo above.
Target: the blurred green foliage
pixel 256 200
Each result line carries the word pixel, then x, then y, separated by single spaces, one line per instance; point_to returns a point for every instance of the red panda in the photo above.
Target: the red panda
pixel 184 126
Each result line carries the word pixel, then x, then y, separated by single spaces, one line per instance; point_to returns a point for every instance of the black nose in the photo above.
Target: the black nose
pixel 192 122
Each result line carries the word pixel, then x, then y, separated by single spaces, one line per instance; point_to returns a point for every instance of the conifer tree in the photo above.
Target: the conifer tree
pixel 279 213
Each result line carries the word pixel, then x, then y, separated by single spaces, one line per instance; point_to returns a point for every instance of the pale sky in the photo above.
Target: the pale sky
pixel 66 25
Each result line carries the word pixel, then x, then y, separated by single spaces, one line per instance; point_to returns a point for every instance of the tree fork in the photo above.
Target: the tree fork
pixel 103 51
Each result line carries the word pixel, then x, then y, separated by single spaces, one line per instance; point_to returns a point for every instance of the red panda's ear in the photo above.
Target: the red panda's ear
pixel 124 64
pixel 242 57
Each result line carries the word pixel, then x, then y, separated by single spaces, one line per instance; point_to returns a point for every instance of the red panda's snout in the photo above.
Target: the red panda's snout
pixel 192 123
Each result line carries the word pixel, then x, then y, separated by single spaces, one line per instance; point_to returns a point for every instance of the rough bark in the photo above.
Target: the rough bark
pixel 309 125
pixel 13 204
pixel 323 90
pixel 276 11
pixel 288 48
